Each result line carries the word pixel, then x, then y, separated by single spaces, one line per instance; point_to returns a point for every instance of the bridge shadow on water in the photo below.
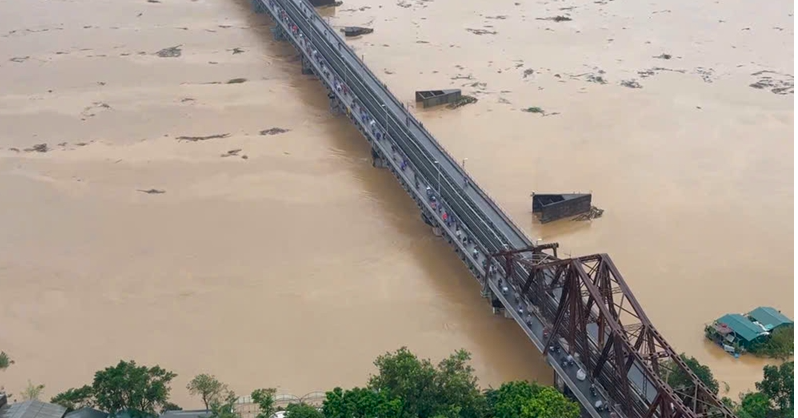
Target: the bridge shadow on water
pixel 501 349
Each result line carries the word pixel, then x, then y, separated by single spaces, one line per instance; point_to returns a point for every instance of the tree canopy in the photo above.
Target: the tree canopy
pixel 360 403
pixel 139 390
pixel 678 380
pixel 76 398
pixel 265 400
pixel 780 345
pixel 301 410
pixel 224 406
pixel 32 392
pixel 778 385
pixel 448 390
pixel 208 388
pixel 5 360
pixel 774 397
pixel 522 399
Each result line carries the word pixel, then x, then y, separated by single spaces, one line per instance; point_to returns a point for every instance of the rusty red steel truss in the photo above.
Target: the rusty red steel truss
pixel 590 310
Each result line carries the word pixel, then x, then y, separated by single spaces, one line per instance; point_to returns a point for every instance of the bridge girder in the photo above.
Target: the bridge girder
pixel 576 294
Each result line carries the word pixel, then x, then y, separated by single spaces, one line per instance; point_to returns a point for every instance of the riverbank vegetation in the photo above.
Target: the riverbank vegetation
pixel 780 345
pixel 404 386
pixel 773 398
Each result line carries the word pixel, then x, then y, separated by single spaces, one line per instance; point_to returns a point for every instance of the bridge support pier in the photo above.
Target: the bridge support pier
pixel 307 69
pixel 258 6
pixel 377 160
pixel 279 34
pixel 558 382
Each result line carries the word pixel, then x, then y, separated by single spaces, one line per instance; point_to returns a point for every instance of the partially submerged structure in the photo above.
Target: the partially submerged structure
pixel 551 207
pixel 350 31
pixel 738 333
pixel 430 98
pixel 30 409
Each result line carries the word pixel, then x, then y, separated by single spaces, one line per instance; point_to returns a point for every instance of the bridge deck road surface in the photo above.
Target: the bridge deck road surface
pixel 448 167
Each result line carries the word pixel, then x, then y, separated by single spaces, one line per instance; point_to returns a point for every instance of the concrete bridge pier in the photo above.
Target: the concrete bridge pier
pixel 279 34
pixel 307 68
pixel 497 306
pixel 558 382
pixel 377 160
pixel 258 7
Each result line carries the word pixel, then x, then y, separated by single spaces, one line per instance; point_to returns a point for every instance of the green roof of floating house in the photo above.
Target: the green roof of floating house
pixel 769 317
pixel 741 326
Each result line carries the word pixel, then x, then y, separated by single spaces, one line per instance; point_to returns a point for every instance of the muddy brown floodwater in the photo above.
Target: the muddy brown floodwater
pixel 169 222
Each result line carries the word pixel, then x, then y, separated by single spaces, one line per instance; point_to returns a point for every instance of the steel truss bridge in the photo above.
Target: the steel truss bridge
pixel 579 312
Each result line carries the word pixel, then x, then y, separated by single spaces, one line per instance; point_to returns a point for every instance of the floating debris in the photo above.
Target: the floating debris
pixel 528 72
pixel 776 86
pixel 237 51
pixel 201 138
pixel 171 52
pixel 152 191
pixel 655 70
pixel 556 18
pixel 14 149
pixel 237 81
pixel 705 73
pixel 632 84
pixel 350 31
pixel 19 59
pixel 664 56
pixel 38 148
pixel 593 213
pixel 274 131
pixel 462 101
pixel 232 153
pixel 592 78
pixel 534 109
pixel 153 1
pixel 481 31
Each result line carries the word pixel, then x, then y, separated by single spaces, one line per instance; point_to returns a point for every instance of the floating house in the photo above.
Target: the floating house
pixel 769 318
pixel 738 333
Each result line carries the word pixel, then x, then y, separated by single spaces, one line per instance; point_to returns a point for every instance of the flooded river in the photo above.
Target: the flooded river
pixel 284 259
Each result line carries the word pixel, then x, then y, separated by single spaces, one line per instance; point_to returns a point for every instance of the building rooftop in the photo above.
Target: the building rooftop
pixel 741 326
pixel 769 317
pixel 32 409
pixel 86 413
pixel 199 413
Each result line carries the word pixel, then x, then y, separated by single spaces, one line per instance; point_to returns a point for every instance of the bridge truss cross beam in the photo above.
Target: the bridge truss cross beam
pixel 591 312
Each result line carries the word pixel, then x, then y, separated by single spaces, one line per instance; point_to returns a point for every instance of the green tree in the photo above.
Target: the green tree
pixel 265 400
pixel 5 360
pixel 549 403
pixel 754 405
pixel 32 392
pixel 778 385
pixel 458 387
pixel 208 388
pixel 169 406
pixel 140 390
pixel 360 403
pixel 679 381
pixel 780 345
pixel 450 390
pixel 73 399
pixel 522 399
pixel 224 406
pixel 302 410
